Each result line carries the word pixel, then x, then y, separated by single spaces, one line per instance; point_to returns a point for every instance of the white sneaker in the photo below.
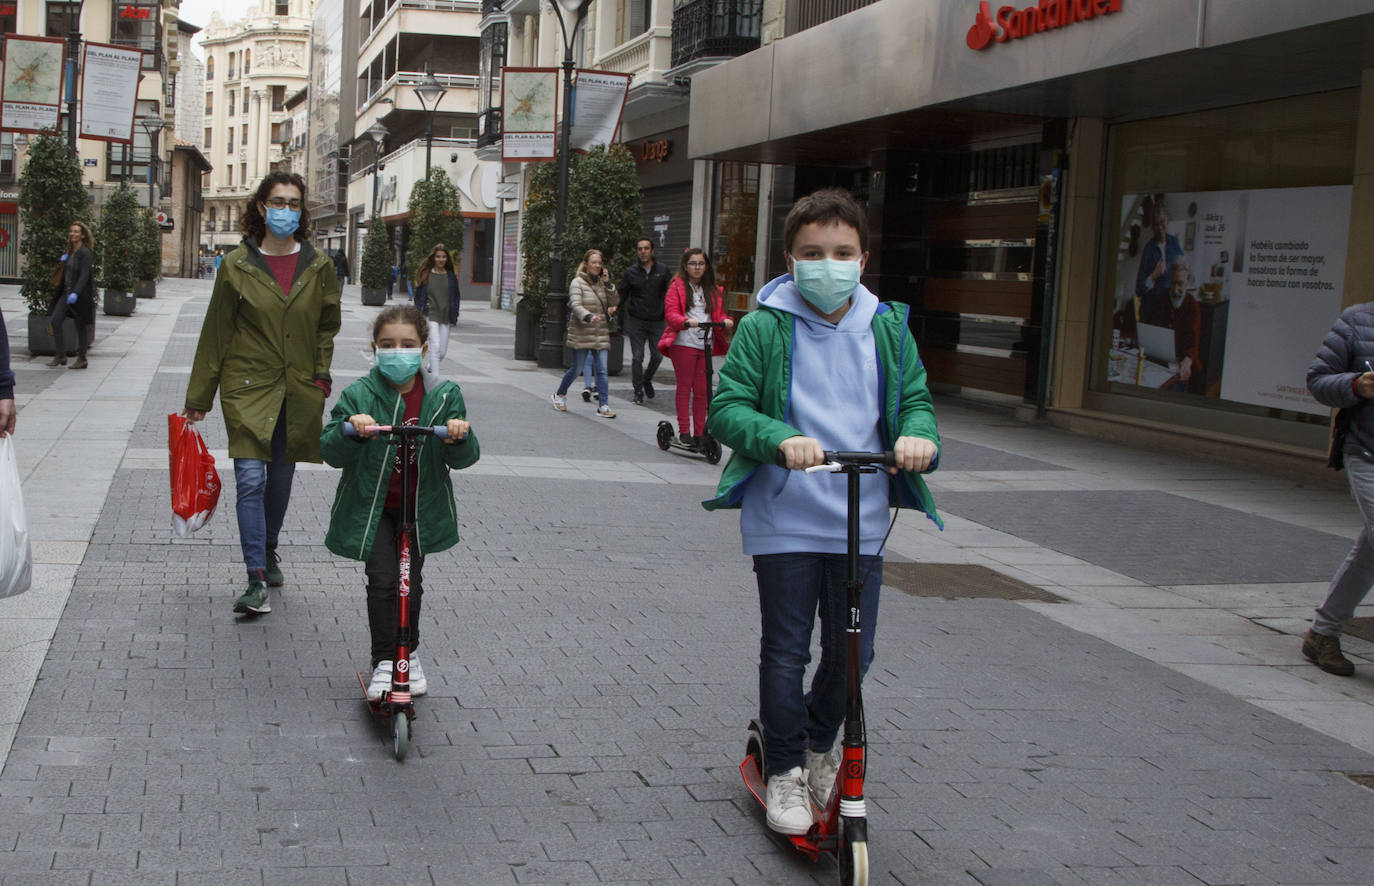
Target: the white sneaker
pixel 560 403
pixel 821 770
pixel 381 681
pixel 789 812
pixel 418 684
pixel 605 412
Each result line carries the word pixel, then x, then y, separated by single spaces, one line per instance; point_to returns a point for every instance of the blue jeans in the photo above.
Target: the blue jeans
pixel 582 364
pixel 792 589
pixel 263 492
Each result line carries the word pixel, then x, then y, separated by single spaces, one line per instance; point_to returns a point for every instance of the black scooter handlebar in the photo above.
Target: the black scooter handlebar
pixel 347 429
pixel 886 459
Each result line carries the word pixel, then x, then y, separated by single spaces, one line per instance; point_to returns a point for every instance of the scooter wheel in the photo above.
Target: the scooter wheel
pixel 853 863
pixel 665 435
pixel 400 730
pixel 710 448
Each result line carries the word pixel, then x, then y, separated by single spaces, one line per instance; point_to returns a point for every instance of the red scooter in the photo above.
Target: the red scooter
pixel 841 828
pixel 706 445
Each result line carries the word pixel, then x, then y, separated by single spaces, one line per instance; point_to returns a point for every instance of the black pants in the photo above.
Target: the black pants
pixel 384 583
pixel 641 333
pixel 60 311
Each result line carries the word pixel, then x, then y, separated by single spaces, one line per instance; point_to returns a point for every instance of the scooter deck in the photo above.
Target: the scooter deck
pixel 810 843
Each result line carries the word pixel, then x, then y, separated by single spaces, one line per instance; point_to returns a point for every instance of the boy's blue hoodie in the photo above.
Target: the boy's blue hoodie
pixel 833 398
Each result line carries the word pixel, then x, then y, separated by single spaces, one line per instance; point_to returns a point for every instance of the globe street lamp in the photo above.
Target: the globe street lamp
pixel 556 302
pixel 430 92
pixel 151 125
pixel 379 134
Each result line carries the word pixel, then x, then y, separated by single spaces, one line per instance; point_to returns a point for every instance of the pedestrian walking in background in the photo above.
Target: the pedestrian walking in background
pixel 643 287
pixel 341 266
pixel 592 302
pixel 820 365
pixel 266 345
pixel 75 297
pixel 219 257
pixel 7 411
pixel 693 299
pixel 437 297
pixel 365 522
pixel 1342 376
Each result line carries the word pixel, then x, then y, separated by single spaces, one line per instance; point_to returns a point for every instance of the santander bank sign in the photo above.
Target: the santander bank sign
pixel 1012 23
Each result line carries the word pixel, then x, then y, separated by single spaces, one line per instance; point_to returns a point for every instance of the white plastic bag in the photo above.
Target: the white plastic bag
pixel 16 558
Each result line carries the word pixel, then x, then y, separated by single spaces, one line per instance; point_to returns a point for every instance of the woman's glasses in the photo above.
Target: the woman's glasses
pixel 283 203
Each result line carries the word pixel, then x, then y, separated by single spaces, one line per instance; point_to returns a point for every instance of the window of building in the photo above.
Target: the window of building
pixel 243 136
pixel 245 100
pixel 232 96
pixel 283 7
pixel 229 177
pixel 276 132
pixel 209 103
pixel 207 144
pixel 631 19
pixel 213 218
pixel 247 61
pixel 278 97
pixel 232 74
pixel 483 244
pixel 205 181
pixel 243 174
pixel 230 143
pixel 9 12
pixel 132 160
pixel 210 68
pixel 135 23
pixel 7 156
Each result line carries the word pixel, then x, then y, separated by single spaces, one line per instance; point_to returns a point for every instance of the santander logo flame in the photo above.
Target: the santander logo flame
pixel 1012 23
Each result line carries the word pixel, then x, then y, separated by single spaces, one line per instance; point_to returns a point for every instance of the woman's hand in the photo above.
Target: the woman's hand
pixel 691 324
pixel 361 422
pixel 193 415
pixel 457 430
pixel 729 324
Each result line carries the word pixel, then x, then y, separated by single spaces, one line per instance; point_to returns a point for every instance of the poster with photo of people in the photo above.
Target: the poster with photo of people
pixel 1220 294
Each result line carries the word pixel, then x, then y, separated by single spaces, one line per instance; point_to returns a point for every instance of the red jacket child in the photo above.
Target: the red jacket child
pixel 675 314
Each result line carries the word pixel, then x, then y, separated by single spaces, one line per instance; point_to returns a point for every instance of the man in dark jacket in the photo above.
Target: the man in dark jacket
pixel 6 383
pixel 341 266
pixel 642 289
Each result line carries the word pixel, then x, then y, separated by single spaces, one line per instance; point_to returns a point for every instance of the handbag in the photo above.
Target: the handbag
pixel 16 555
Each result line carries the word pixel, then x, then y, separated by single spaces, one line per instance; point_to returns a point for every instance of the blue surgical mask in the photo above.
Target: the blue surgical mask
pixel 826 283
pixel 283 222
pixel 399 364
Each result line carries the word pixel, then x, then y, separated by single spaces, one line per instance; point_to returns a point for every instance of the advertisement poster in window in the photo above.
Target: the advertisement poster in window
pixel 1226 294
pixel 109 91
pixel 31 90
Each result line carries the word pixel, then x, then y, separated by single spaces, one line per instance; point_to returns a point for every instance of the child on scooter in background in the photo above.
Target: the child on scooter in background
pixel 365 521
pixel 693 298
pixel 821 365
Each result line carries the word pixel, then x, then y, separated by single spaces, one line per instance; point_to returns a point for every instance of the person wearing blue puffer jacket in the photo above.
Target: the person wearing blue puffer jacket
pixel 437 297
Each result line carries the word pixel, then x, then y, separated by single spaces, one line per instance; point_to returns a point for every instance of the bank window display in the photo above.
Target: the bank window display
pixel 1223 253
pixel 734 227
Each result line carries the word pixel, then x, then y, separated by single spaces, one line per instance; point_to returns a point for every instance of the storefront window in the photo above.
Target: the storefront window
pixel 135 24
pixel 734 230
pixel 1223 254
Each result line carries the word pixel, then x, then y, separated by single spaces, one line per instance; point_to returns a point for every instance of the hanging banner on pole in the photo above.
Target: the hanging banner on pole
pixel 109 90
pixel 598 102
pixel 529 105
pixel 31 90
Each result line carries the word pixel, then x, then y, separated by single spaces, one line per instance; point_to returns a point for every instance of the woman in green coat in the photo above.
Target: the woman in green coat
pixel 266 345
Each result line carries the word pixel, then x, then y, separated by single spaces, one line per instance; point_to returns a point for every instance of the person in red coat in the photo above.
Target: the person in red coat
pixel 693 298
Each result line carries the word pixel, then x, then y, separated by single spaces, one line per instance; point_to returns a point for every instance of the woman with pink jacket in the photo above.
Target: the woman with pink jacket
pixel 693 298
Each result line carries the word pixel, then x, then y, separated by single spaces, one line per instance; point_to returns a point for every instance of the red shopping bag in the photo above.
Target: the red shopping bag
pixel 195 483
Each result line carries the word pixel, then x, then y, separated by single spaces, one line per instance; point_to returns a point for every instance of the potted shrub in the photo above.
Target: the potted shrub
pixel 149 254
pixel 375 267
pixel 119 243
pixel 51 197
pixel 436 216
pixel 535 247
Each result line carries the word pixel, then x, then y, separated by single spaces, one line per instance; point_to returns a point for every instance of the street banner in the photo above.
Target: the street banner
pixel 529 105
pixel 109 91
pixel 31 89
pixel 598 102
pixel 1235 299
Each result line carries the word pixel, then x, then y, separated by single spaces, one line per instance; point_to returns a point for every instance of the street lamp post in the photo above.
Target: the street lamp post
pixel 429 90
pixel 152 126
pixel 379 134
pixel 556 302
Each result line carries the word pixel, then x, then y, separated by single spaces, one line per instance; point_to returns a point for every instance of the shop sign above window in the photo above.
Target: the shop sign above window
pixel 1012 23
pixel 136 12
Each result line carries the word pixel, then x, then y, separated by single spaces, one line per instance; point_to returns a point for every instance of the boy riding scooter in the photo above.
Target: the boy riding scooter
pixel 821 365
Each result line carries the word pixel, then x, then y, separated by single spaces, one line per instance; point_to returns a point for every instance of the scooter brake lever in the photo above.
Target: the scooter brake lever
pixel 829 467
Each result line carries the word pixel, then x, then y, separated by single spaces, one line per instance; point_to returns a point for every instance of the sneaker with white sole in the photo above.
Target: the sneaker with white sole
pixel 586 395
pixel 381 681
pixel 605 411
pixel 560 402
pixel 789 811
pixel 821 770
pixel 418 684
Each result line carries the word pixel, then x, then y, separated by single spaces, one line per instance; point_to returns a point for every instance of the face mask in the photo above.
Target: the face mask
pixel 826 283
pixel 399 364
pixel 283 222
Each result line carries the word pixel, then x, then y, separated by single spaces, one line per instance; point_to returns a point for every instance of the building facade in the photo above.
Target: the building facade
pixel 330 116
pixel 251 66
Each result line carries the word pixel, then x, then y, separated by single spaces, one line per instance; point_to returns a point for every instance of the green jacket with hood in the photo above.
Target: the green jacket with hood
pixel 262 351
pixel 749 410
pixel 368 464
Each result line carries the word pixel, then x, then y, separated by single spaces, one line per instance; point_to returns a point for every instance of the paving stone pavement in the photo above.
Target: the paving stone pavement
pixel 590 647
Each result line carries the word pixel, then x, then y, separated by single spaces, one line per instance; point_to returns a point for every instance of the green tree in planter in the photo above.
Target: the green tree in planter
pixel 603 209
pixel 436 216
pixel 51 197
pixel 375 270
pixel 150 246
pixel 119 240
pixel 536 234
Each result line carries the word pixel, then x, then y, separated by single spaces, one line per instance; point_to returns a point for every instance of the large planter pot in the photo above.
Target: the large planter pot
pixel 118 303
pixel 526 334
pixel 374 297
pixel 41 344
pixel 144 289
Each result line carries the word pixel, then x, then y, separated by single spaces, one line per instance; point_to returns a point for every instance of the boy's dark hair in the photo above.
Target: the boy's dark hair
pixel 826 206
pixel 254 225
pixel 406 313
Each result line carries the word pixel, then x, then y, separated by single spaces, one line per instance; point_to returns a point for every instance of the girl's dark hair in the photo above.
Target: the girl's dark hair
pixel 402 314
pixel 427 264
pixel 708 279
pixel 86 236
pixel 254 225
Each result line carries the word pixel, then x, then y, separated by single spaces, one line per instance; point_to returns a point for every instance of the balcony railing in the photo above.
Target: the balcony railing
pixel 488 127
pixel 803 14
pixel 412 79
pixel 707 28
